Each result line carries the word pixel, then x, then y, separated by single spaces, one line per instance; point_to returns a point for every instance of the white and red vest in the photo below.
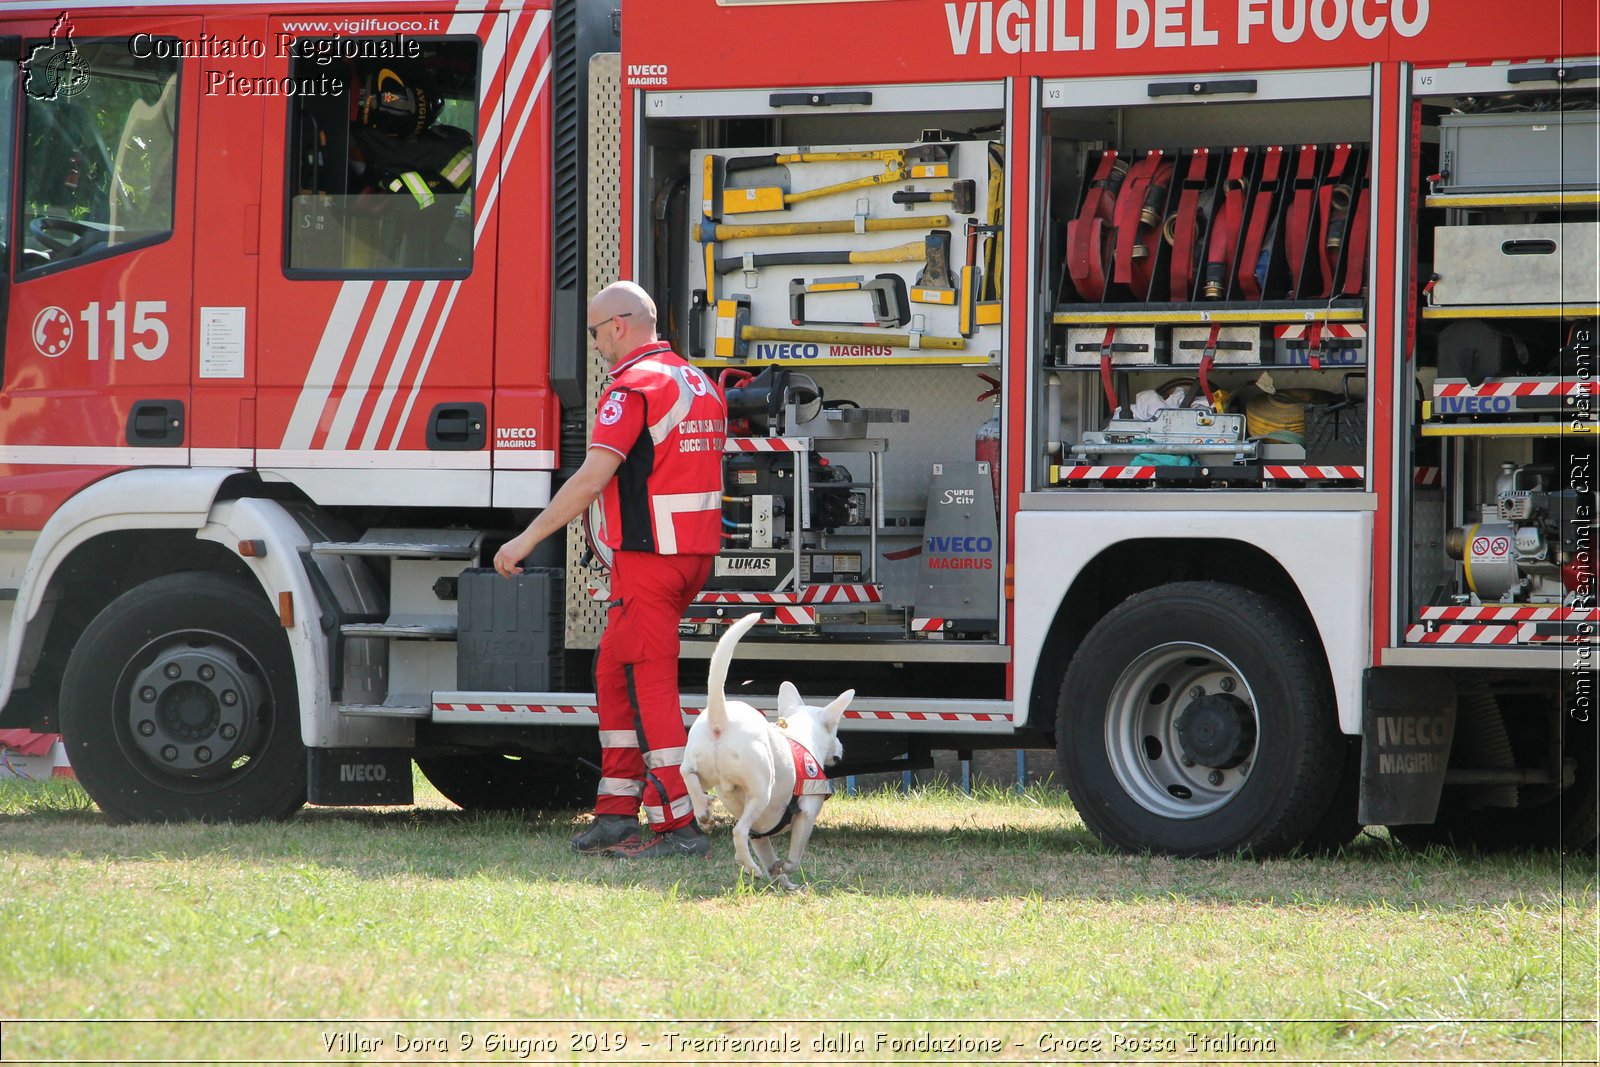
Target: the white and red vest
pixel 667 421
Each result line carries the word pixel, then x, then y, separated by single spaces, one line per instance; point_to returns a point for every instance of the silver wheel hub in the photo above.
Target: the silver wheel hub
pixel 193 710
pixel 1181 730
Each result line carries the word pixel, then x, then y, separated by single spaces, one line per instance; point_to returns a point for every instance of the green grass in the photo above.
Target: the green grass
pixel 937 907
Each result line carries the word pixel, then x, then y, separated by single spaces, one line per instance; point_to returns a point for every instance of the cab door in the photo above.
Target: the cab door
pixel 378 257
pixel 96 332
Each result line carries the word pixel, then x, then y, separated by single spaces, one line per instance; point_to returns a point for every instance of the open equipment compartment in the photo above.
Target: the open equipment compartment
pixel 1207 266
pixel 1502 514
pixel 834 259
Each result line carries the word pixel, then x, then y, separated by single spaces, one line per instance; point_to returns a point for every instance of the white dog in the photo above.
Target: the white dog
pixel 768 775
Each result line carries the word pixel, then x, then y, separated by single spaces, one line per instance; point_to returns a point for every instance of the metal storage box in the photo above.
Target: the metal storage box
pixel 1131 346
pixel 1235 345
pixel 507 630
pixel 1529 264
pixel 1519 152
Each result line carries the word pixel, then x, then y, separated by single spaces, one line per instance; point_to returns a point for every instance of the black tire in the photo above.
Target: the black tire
pixel 494 782
pixel 179 703
pixel 1340 824
pixel 1261 734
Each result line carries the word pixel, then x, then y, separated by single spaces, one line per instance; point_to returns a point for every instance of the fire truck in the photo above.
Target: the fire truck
pixel 1201 389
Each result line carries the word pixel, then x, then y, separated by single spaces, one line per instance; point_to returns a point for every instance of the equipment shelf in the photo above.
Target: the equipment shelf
pixel 1069 474
pixel 1172 315
pixel 1516 200
pixel 1514 311
pixel 1553 428
pixel 976 359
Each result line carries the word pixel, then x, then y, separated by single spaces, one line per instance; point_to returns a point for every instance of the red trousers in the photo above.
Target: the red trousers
pixel 636 678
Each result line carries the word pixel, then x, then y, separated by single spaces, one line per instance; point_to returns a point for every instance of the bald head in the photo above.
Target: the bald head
pixel 625 300
pixel 622 317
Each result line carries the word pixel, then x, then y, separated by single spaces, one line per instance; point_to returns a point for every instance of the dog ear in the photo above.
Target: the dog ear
pixel 788 698
pixel 835 711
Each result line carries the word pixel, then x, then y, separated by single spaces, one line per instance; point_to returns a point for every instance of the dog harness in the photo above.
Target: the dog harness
pixel 808 779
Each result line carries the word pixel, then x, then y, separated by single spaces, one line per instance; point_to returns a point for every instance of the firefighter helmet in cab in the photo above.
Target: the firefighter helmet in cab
pixel 398 101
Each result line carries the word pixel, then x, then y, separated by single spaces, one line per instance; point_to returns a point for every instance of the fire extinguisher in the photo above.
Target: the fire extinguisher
pixel 986 448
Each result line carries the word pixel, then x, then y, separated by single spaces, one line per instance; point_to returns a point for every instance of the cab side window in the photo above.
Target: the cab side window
pixel 99 144
pixel 382 158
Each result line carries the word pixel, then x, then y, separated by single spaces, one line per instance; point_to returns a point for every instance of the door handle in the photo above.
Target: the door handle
pixel 155 424
pixel 454 427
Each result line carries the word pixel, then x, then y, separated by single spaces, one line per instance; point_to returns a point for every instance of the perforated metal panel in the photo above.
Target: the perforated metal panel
pixel 585 615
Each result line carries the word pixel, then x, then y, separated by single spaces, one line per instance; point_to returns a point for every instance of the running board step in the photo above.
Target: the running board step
pixel 406 544
pixel 424 627
pixel 384 711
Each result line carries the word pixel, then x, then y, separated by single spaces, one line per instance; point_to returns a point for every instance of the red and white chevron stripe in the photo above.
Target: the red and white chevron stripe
pixel 1538 387
pixel 1296 331
pixel 928 716
pixel 767 444
pixel 689 713
pixel 525 709
pixel 926 626
pixel 844 593
pixel 1468 635
pixel 1105 474
pixel 1425 476
pixel 847 593
pixel 746 598
pixel 1509 613
pixel 1314 474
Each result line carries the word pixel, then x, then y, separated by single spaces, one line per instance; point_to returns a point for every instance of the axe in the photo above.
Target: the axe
pixel 962 197
pixel 906 253
pixel 934 284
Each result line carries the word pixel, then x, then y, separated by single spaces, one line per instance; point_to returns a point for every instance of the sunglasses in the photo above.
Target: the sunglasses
pixel 593 330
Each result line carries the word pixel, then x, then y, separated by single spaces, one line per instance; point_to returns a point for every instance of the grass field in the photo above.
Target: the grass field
pixel 939 921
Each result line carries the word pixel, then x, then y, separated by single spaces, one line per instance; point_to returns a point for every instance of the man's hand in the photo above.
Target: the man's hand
pixel 514 552
pixel 568 503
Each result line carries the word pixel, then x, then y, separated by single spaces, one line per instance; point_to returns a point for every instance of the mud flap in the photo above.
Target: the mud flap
pixel 1407 723
pixel 340 777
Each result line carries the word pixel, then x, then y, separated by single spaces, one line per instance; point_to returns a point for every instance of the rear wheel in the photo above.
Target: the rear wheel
pixel 179 703
pixel 1196 719
pixel 494 782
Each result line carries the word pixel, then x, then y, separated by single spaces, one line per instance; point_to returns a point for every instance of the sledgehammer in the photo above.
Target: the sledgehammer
pixel 962 197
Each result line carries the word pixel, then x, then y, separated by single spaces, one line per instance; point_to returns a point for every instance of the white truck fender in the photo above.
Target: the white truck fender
pixel 148 499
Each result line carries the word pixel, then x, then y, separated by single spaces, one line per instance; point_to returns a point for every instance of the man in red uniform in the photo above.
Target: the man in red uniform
pixel 656 463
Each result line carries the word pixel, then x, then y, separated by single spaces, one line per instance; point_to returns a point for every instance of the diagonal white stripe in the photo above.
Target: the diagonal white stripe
pixel 372 346
pixel 325 364
pixel 397 368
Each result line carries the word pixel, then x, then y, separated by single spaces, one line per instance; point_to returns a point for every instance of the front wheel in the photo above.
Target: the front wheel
pixel 179 703
pixel 1197 719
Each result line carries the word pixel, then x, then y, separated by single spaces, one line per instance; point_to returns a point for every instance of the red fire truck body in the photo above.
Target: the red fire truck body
pixel 1282 522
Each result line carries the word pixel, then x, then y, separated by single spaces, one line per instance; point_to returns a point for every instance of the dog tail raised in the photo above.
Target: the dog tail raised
pixel 717 676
